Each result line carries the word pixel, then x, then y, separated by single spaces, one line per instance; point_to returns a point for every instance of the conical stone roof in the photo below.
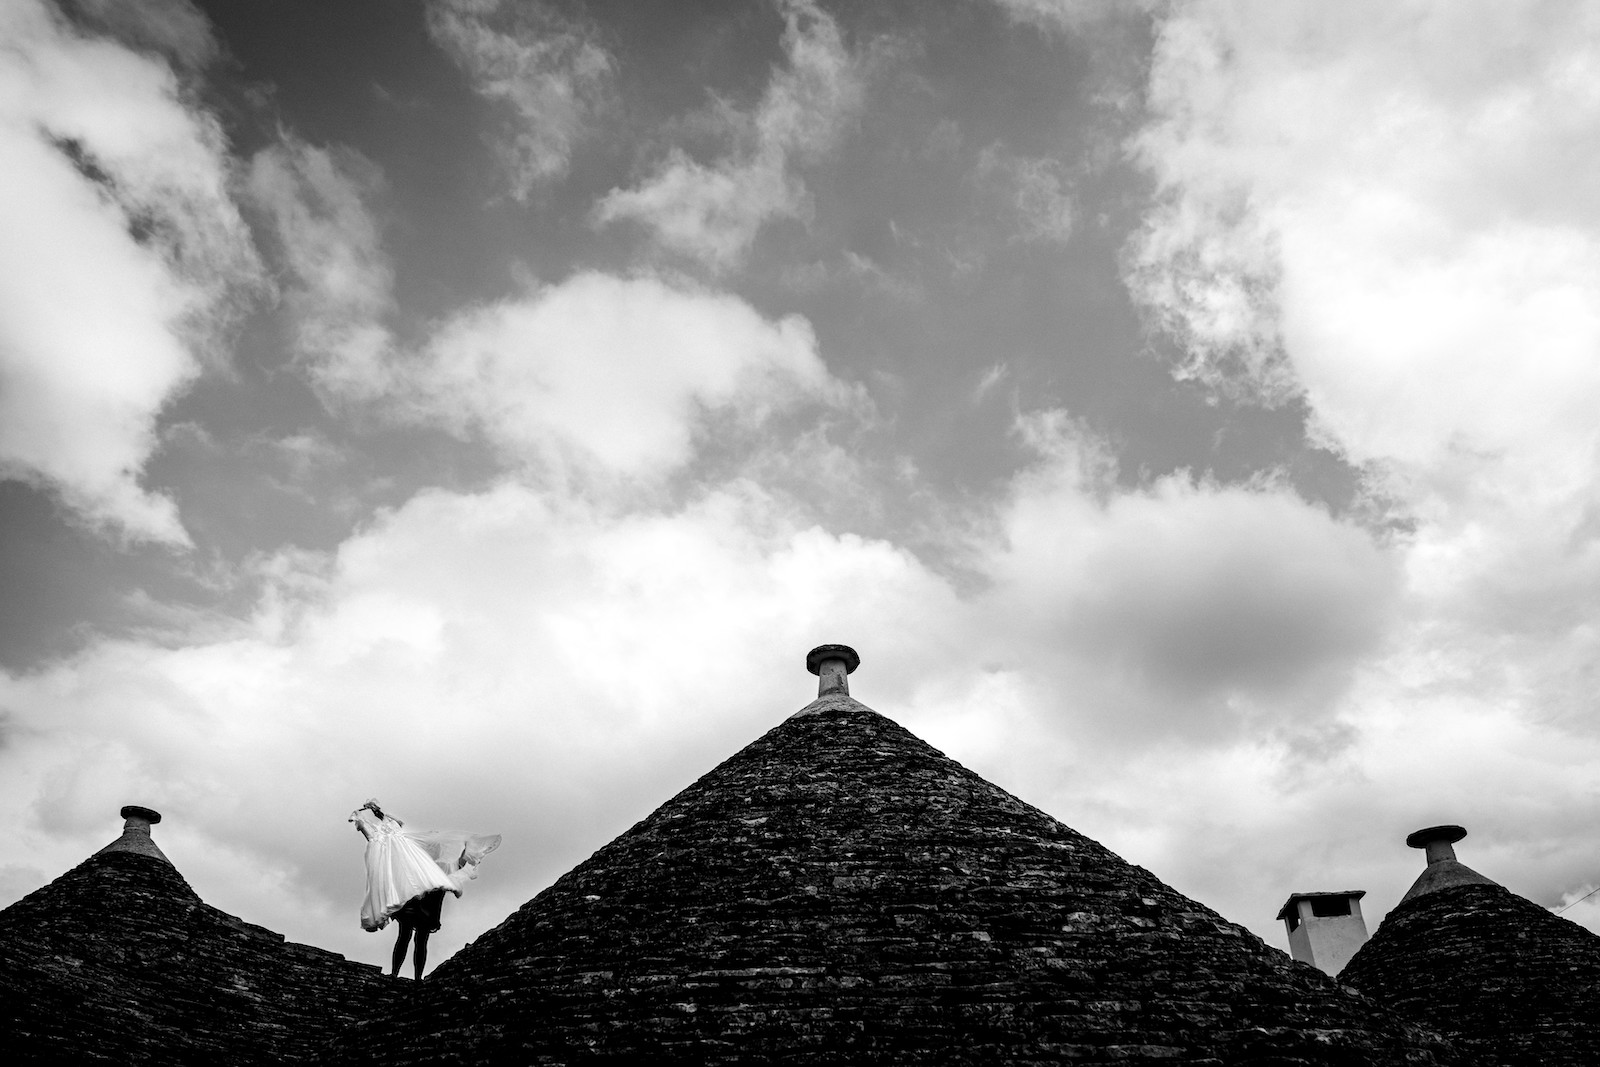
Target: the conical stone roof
pixel 1508 981
pixel 119 960
pixel 841 892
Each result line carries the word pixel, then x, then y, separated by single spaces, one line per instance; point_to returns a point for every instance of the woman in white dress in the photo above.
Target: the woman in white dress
pixel 408 874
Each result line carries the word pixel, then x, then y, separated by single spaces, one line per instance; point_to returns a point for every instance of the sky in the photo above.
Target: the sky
pixel 1186 409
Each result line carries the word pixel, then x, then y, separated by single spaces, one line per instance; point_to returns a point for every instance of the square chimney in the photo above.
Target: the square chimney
pixel 1325 929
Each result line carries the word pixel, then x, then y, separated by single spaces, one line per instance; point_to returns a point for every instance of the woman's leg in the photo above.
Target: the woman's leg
pixel 421 956
pixel 427 918
pixel 400 944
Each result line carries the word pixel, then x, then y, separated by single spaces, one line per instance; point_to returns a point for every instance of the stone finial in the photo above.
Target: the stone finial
pixel 1438 841
pixel 138 819
pixel 832 665
pixel 135 837
pixel 1443 869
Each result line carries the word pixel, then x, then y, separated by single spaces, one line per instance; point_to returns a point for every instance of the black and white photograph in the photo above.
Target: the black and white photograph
pixel 800 531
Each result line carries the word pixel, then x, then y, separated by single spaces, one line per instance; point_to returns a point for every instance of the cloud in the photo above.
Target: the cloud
pixel 1374 210
pixel 1418 264
pixel 1455 189
pixel 595 375
pixel 714 212
pixel 614 372
pixel 339 278
pixel 1186 609
pixel 503 660
pixel 1073 15
pixel 528 661
pixel 122 256
pixel 173 28
pixel 1033 190
pixel 1212 679
pixel 549 70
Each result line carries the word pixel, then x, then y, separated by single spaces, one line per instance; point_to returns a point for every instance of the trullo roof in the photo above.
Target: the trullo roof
pixel 118 960
pixel 1506 980
pixel 841 892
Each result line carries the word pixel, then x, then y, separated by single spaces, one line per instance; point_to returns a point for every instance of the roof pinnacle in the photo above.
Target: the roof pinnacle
pixel 1443 869
pixel 832 665
pixel 1438 841
pixel 135 837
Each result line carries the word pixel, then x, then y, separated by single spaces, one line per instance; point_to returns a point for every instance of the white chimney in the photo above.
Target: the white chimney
pixel 1325 929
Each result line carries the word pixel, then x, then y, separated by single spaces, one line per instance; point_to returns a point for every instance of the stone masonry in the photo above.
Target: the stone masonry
pixel 839 892
pixel 119 961
pixel 1507 980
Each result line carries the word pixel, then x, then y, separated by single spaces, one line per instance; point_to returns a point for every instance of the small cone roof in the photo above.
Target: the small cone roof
pixel 119 959
pixel 840 891
pixel 1504 978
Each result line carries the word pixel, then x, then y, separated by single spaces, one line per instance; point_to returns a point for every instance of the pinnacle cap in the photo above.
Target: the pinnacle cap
pixel 1447 833
pixel 816 656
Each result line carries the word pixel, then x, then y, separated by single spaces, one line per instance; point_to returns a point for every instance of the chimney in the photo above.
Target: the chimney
pixel 136 833
pixel 1325 929
pixel 832 665
pixel 1443 869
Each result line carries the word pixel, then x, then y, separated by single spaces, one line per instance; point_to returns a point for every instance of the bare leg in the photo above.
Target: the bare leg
pixel 421 957
pixel 400 944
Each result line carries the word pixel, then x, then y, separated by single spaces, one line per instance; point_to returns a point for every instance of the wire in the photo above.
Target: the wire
pixel 1581 899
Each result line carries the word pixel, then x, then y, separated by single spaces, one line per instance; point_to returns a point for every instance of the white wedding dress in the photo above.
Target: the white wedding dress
pixel 402 864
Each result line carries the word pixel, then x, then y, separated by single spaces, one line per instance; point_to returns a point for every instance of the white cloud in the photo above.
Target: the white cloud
pixel 1229 685
pixel 175 28
pixel 518 663
pixel 615 372
pixel 521 661
pixel 594 375
pixel 1436 207
pixel 1377 208
pixel 1073 15
pixel 714 212
pixel 1418 262
pixel 1187 610
pixel 122 248
pixel 340 289
pixel 550 70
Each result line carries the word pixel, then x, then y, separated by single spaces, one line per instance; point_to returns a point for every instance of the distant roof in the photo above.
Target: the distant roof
pixel 840 891
pixel 119 960
pixel 1504 977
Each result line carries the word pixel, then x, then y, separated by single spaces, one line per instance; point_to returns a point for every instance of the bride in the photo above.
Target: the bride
pixel 408 874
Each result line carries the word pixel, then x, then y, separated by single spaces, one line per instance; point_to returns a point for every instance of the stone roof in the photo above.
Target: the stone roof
pixel 1506 979
pixel 840 891
pixel 119 960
